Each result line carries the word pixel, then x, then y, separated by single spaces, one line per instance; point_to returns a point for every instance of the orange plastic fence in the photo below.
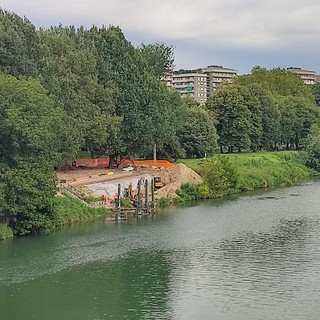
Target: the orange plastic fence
pixel 149 163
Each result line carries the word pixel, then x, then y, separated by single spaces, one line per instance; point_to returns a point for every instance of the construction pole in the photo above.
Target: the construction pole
pixel 146 197
pixel 152 195
pixel 139 197
pixel 119 201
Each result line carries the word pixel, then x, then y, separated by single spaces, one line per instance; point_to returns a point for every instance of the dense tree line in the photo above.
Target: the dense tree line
pixel 65 89
pixel 268 109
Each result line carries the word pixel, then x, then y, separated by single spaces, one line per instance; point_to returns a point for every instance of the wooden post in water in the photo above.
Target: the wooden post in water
pixel 118 203
pixel 146 207
pixel 139 197
pixel 152 195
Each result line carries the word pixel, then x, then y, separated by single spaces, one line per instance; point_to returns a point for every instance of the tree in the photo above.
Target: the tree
pixel 198 136
pixel 160 58
pixel 298 114
pixel 19 45
pixel 287 106
pixel 141 100
pixel 27 193
pixel 69 72
pixel 31 145
pixel 315 89
pixel 228 104
pixel 31 125
pixel 312 148
pixel 279 82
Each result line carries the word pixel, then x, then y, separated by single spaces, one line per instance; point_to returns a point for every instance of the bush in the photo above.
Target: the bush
pixel 189 192
pixel 5 232
pixel 164 202
pixel 220 175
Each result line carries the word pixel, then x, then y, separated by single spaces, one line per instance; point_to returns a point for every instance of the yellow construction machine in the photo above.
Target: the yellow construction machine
pixel 158 183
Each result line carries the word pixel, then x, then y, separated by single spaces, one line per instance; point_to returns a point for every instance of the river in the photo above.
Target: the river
pixel 244 257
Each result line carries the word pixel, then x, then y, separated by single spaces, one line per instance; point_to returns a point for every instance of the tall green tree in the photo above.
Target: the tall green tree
pixel 31 146
pixel 229 106
pixel 315 89
pixel 198 136
pixel 298 114
pixel 69 72
pixel 31 125
pixel 19 45
pixel 141 100
pixel 311 146
pixel 160 58
pixel 279 82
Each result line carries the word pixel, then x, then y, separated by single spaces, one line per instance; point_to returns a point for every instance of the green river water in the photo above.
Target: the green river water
pixel 245 257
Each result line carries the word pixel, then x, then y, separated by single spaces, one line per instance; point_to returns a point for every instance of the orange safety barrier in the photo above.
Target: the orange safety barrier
pixel 149 163
pixel 103 162
pixel 92 163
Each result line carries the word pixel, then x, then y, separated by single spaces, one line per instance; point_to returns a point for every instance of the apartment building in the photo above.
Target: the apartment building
pixel 216 75
pixel 307 76
pixel 193 84
pixel 167 80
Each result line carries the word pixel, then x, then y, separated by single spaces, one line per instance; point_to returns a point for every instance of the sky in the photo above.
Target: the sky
pixel 237 34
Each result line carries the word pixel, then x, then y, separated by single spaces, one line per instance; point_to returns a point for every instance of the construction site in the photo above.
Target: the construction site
pixel 141 182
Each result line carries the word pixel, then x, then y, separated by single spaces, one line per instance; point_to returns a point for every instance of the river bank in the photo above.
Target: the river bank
pixel 235 173
pixel 222 175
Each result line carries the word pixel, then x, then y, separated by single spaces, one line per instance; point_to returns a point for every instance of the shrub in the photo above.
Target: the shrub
pixel 189 192
pixel 5 232
pixel 164 202
pixel 220 175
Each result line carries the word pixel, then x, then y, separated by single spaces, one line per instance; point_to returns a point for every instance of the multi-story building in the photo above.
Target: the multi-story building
pixel 193 84
pixel 307 76
pixel 167 80
pixel 216 75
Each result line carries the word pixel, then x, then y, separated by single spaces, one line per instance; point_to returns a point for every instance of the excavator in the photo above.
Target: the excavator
pixel 158 183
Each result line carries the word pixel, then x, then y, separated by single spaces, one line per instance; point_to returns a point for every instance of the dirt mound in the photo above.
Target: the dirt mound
pixel 174 178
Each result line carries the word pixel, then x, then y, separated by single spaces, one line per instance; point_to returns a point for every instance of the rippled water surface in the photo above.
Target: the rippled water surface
pixel 248 257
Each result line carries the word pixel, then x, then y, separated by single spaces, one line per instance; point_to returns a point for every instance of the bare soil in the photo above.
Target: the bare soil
pixel 172 177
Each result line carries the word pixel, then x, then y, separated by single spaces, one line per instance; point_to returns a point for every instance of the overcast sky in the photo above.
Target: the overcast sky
pixel 238 34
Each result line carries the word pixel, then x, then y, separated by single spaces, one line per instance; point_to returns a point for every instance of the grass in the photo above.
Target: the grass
pixel 272 169
pixel 69 210
pixel 191 163
pixel 263 169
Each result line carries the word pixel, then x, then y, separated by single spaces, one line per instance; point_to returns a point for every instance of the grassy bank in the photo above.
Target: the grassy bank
pixel 65 210
pixel 68 210
pixel 232 173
